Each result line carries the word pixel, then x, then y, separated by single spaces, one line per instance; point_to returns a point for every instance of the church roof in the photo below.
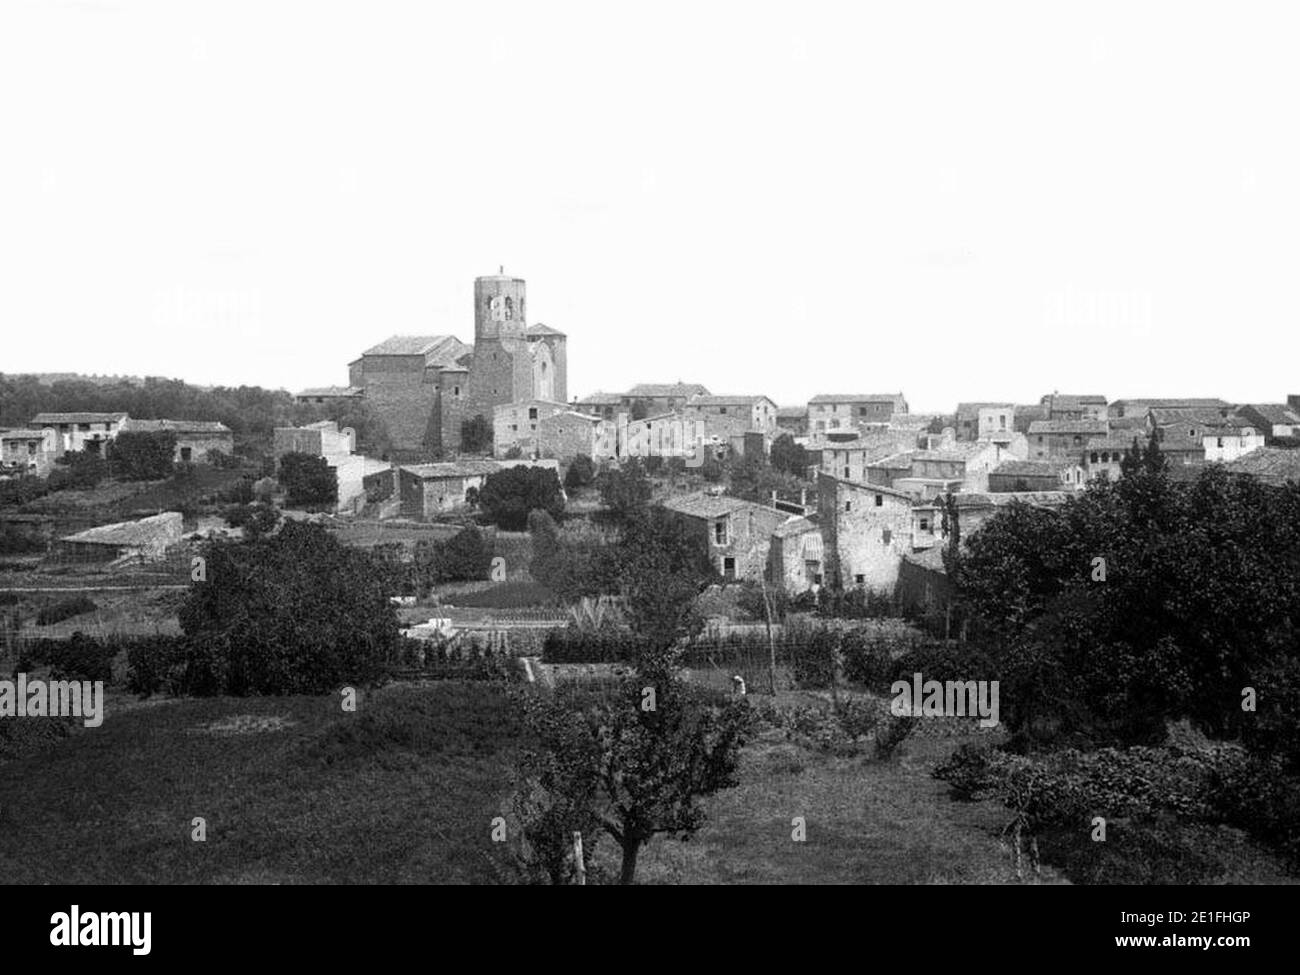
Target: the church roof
pixel 540 329
pixel 407 345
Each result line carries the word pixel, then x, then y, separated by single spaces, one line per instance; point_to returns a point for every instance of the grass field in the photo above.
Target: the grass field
pixel 294 790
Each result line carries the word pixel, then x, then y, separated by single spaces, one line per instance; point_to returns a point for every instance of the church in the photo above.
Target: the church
pixel 425 386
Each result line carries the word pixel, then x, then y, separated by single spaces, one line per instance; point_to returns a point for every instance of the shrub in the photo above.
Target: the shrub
pixel 77 470
pixel 308 480
pixel 64 609
pixel 78 658
pixel 476 435
pixel 19 540
pixel 893 733
pixel 573 645
pixel 508 496
pixel 581 472
pixel 142 455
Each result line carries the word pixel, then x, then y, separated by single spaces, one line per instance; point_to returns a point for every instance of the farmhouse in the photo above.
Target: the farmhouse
pixel 145 540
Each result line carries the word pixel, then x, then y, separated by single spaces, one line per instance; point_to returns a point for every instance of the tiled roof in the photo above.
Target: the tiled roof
pixel 1172 404
pixel 1068 426
pixel 1273 465
pixel 960 451
pixel 48 419
pixel 1276 412
pixel 668 389
pixel 407 345
pixel 332 391
pixel 797 525
pixel 175 426
pixel 601 399
pixel 458 468
pixel 146 530
pixel 724 400
pixel 1036 468
pixel 857 398
pixel 540 329
pixel 1203 415
pixel 705 505
pixel 976 407
pixel 21 434
pixel 791 412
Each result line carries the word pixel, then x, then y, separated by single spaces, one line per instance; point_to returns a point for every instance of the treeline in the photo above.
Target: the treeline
pixel 251 412
pixel 1143 605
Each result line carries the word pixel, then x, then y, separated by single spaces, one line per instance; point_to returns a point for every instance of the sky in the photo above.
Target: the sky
pixel 957 201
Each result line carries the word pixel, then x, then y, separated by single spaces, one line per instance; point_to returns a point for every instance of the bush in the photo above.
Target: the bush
pixel 573 645
pixel 79 658
pixel 893 733
pixel 64 609
pixel 18 540
pixel 308 480
pixel 581 472
pixel 77 470
pixel 507 497
pixel 23 490
pixel 157 664
pixel 255 519
pixel 142 455
pixel 867 661
pixel 241 492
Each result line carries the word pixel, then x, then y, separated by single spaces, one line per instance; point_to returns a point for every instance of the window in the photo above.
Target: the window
pixel 532 413
pixel 862 411
pixel 1092 458
pixel 1105 457
pixel 186 454
pixel 848 505
pixel 729 568
pixel 846 470
pixel 880 500
pixel 455 391
pixel 720 532
pixel 1220 441
pixel 1040 438
pixel 722 409
pixel 886 536
pixel 859 579
pixel 83 427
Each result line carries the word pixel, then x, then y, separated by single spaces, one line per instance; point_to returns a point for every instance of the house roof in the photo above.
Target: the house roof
pixel 175 426
pixel 457 468
pixel 1276 412
pixel 703 400
pixel 1068 426
pixel 332 391
pixel 977 406
pixel 1273 465
pixel 407 345
pixel 1172 404
pixel 895 461
pixel 1030 468
pixel 21 434
pixel 601 399
pixel 145 531
pixel 1071 399
pixel 798 525
pixel 791 412
pixel 960 451
pixel 1002 499
pixel 539 330
pixel 706 505
pixel 667 389
pixel 857 398
pixel 1202 415
pixel 46 419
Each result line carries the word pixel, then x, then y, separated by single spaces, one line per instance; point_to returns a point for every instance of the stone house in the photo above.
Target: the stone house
pixel 965 462
pixel 514 425
pixel 429 490
pixel 661 397
pixel 1273 419
pixel 1072 407
pixel 1035 475
pixel 728 417
pixel 846 411
pixel 325 395
pixel 994 420
pixel 80 431
pixel 1050 439
pixel 792 420
pixel 607 406
pixel 1140 407
pixel 568 434
pixel 27 452
pixel 194 438
pixel 795 561
pixel 738 533
pixel 668 435
pixel 145 540
pixel 866 529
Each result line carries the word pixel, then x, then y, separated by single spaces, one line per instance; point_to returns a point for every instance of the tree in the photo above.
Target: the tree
pixel 77 469
pixel 789 457
pixel 143 455
pixel 643 770
pixel 664 567
pixel 257 520
pixel 581 472
pixel 476 435
pixel 293 613
pixel 308 480
pixel 625 492
pixel 508 496
pixel 640 409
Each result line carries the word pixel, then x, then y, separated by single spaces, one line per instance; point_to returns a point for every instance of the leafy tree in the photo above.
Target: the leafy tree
pixel 256 520
pixel 581 472
pixel 77 469
pixel 753 479
pixel 476 435
pixel 308 480
pixel 789 457
pixel 294 613
pixel 508 496
pixel 624 491
pixel 142 455
pixel 636 770
pixel 640 409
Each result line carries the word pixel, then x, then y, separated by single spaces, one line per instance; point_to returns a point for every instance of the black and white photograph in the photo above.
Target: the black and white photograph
pixel 659 444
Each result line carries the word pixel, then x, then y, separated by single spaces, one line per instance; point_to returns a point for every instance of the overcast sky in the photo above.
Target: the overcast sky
pixel 958 201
